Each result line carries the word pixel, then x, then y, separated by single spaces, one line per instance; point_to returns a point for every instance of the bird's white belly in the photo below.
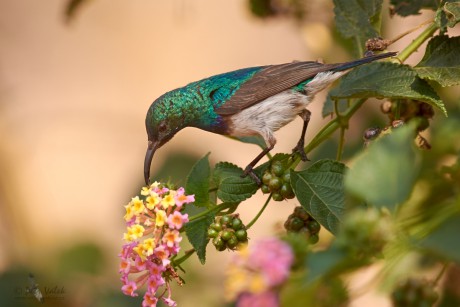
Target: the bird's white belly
pixel 277 111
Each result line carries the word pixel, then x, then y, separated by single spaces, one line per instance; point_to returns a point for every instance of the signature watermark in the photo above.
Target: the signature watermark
pixel 40 293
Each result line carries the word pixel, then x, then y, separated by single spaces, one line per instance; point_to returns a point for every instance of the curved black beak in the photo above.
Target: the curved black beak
pixel 148 161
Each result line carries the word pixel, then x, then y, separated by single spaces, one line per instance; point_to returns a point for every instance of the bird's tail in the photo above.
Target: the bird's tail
pixel 367 59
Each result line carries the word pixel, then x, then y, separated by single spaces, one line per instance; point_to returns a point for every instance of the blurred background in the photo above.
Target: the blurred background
pixel 74 92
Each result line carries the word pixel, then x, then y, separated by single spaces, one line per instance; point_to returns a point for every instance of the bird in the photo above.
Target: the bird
pixel 254 101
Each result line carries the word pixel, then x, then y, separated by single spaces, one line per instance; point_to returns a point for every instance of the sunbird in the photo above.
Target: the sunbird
pixel 254 101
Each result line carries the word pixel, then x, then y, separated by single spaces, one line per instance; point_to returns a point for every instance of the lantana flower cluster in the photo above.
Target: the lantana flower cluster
pixel 257 271
pixel 152 239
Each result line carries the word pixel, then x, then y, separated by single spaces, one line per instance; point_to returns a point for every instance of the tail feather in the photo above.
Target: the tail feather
pixel 368 59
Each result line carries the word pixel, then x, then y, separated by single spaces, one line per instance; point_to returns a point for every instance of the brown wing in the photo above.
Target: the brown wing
pixel 271 81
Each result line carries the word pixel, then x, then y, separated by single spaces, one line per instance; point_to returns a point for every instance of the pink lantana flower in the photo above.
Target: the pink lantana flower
pixel 152 239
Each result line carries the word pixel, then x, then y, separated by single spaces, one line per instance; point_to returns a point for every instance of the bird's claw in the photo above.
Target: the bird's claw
pixel 249 171
pixel 299 149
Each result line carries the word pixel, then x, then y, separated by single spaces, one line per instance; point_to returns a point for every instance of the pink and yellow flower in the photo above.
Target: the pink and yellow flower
pixel 152 238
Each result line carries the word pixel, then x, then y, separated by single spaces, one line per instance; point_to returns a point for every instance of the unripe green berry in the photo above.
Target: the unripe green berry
pixel 225 219
pixel 274 184
pixel 286 191
pixel 314 238
pixel 212 233
pixel 266 178
pixel 226 235
pixel 277 168
pixel 306 232
pixel 216 226
pixel 314 226
pixel 241 235
pixel 302 213
pixel 219 244
pixel 237 223
pixel 277 196
pixel 296 224
pixel 265 189
pixel 286 177
pixel 233 242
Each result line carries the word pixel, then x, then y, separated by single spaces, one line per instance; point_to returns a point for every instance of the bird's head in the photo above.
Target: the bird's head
pixel 161 126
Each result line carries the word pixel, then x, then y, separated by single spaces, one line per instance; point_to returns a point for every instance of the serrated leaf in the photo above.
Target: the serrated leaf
pixel 384 174
pixel 198 182
pixel 412 7
pixel 231 187
pixel 443 241
pixel 384 79
pixel 354 18
pixel 441 62
pixel 320 191
pixel 197 234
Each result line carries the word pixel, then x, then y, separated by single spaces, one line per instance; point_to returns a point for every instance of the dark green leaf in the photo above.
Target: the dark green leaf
pixel 384 174
pixel 441 62
pixel 355 18
pixel 412 7
pixel 231 186
pixel 197 234
pixel 384 79
pixel 444 240
pixel 320 191
pixel 198 182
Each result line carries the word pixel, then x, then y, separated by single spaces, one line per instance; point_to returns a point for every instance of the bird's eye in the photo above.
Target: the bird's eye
pixel 162 127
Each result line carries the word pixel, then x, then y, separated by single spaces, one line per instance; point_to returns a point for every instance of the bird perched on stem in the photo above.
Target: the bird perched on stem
pixel 255 101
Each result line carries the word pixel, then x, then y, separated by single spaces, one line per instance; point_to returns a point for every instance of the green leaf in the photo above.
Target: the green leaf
pixel 441 62
pixel 390 80
pixel 443 241
pixel 330 262
pixel 320 191
pixel 452 11
pixel 231 187
pixel 197 234
pixel 355 18
pixel 198 182
pixel 448 15
pixel 412 7
pixel 384 174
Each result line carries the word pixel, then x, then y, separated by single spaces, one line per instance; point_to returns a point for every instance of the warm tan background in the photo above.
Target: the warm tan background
pixel 73 100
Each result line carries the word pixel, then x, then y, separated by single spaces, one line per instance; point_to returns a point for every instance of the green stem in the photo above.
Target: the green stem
pixel 259 213
pixel 218 208
pixel 417 42
pixel 184 257
pixel 341 144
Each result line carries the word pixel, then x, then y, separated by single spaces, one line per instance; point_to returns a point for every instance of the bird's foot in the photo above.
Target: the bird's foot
pixel 299 149
pixel 249 171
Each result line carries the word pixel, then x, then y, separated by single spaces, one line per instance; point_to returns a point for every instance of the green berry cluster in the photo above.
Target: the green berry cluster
pixel 227 231
pixel 365 232
pixel 414 293
pixel 301 222
pixel 277 180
